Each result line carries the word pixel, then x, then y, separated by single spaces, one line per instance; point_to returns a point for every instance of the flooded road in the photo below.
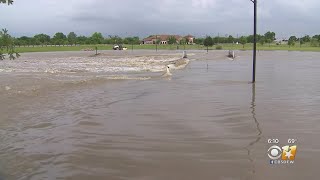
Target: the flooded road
pixel 205 122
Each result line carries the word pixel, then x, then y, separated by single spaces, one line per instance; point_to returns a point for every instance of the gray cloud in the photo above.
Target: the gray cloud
pixel 137 17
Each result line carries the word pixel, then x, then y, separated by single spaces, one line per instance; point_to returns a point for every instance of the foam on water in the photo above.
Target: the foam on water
pixel 99 64
pixel 31 74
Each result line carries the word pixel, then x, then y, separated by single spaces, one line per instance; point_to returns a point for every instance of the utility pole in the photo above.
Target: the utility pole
pixel 255 2
pixel 157 43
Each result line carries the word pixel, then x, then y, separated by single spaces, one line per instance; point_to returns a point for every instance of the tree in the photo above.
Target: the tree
pixel 127 40
pixel 230 39
pixel 262 41
pixel 81 39
pixel 183 41
pixel 24 41
pixel 208 42
pixel 269 41
pixel 270 35
pixel 97 38
pixel 42 39
pixel 317 37
pixel 172 40
pixel 314 42
pixel 306 38
pixel 115 40
pixel 72 38
pixel 249 39
pixel 198 40
pixel 292 40
pixel 158 41
pixel 59 38
pixel 301 42
pixel 243 40
pixel 6 41
pixel 136 40
pixel 7 45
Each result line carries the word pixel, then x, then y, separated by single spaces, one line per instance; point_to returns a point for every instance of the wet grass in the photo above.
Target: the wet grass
pixel 271 47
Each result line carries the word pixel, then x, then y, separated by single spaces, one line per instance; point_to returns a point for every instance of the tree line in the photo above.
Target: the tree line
pixel 268 38
pixel 73 39
pixel 314 40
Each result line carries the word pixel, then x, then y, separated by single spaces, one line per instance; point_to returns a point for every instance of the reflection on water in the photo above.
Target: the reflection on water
pixel 203 123
pixel 253 109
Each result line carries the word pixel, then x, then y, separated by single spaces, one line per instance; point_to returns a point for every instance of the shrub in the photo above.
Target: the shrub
pixel 218 47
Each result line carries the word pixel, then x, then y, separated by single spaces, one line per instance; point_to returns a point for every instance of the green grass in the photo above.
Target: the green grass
pixel 267 47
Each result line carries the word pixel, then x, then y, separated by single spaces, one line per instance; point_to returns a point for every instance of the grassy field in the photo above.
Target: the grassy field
pixel 266 47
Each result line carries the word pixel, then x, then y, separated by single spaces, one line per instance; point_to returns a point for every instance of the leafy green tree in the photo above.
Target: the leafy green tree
pixel 269 41
pixel 231 39
pixel 262 41
pixel 81 39
pixel 115 40
pixel 183 41
pixel 42 39
pixel 292 40
pixel 270 35
pixel 317 37
pixel 243 40
pixel 172 40
pixel 158 41
pixel 259 37
pixel 97 38
pixel 314 42
pixel 131 40
pixel 7 45
pixel 198 40
pixel 6 41
pixel 249 39
pixel 59 38
pixel 24 41
pixel 208 42
pixel 301 42
pixel 72 38
pixel 306 38
pixel 136 40
pixel 89 41
pixel 127 40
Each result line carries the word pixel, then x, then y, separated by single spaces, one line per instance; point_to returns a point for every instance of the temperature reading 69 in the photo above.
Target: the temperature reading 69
pixel 292 141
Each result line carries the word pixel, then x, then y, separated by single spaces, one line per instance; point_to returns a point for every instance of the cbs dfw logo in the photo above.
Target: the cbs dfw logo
pixel 284 155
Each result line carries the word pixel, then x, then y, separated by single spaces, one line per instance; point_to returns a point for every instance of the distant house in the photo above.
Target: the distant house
pixel 190 39
pixel 163 39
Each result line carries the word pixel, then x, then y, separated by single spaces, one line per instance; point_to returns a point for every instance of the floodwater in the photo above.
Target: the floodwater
pixel 114 116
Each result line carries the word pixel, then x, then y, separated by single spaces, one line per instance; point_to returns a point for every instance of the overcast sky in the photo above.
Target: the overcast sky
pixel 144 17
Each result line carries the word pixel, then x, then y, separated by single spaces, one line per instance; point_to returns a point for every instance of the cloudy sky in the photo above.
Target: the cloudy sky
pixel 144 17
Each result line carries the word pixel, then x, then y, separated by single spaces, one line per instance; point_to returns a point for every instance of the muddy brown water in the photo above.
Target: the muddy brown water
pixel 202 123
